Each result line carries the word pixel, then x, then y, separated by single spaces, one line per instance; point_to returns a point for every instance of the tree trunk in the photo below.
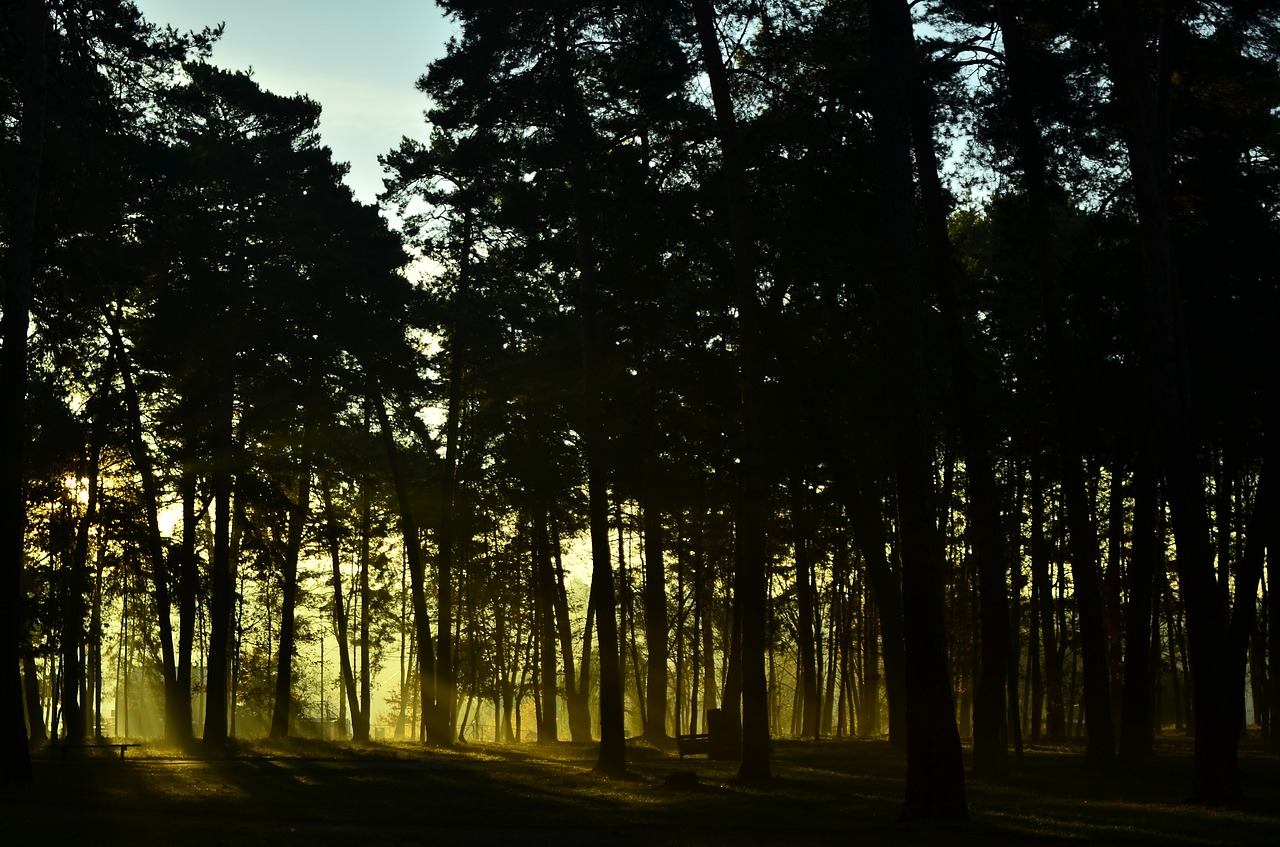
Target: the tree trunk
pixel 731 684
pixel 612 759
pixel 613 754
pixel 695 662
pixel 848 687
pixel 983 528
pixel 1017 582
pixel 935 769
pixel 474 638
pixel 655 617
pixel 24 197
pixel 1167 368
pixel 283 709
pixel 576 704
pixel 188 583
pixel 360 731
pixel 74 587
pixel 1259 686
pixel 584 667
pixel 1157 659
pixel 544 615
pixel 1135 724
pixel 31 690
pixel 750 551
pixel 802 528
pixel 177 699
pixel 434 732
pixel 628 603
pixel 502 679
pixel 446 676
pixel 872 638
pixel 835 623
pixel 223 585
pixel 1055 714
pixel 838 621
pixel 680 640
pixel 1164 602
pixel 93 651
pixel 359 722
pixel 626 616
pixel 1244 618
pixel 1112 589
pixel 1273 630
pixel 1100 750
pixel 1036 712
pixel 237 618
pixel 705 588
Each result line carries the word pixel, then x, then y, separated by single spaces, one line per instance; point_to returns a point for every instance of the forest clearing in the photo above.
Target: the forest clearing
pixel 318 793
pixel 834 370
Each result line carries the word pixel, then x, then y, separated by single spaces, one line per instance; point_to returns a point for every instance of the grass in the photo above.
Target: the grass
pixel 320 793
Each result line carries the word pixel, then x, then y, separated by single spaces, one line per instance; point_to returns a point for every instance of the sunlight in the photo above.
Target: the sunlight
pixel 78 488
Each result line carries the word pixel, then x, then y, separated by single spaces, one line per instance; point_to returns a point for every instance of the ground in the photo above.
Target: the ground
pixel 827 793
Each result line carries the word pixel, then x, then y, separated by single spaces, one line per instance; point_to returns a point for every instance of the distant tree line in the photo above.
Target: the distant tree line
pixel 903 368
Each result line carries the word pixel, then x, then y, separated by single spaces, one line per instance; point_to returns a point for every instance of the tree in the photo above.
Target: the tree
pixel 293 547
pixel 67 77
pixel 750 554
pixel 1170 421
pixel 24 196
pixel 1083 534
pixel 262 226
pixel 990 729
pixel 935 772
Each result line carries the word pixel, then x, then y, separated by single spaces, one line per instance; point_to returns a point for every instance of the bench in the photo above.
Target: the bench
pixel 694 745
pixel 93 745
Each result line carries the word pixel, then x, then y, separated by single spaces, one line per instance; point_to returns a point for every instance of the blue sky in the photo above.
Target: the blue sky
pixel 359 60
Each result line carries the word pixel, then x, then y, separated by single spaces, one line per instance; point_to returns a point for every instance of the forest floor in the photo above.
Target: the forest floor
pixel 829 793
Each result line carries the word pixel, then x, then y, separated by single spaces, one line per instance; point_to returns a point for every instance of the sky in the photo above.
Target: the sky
pixel 359 60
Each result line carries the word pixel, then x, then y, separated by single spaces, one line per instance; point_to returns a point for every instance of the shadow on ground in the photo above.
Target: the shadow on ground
pixel 318 793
